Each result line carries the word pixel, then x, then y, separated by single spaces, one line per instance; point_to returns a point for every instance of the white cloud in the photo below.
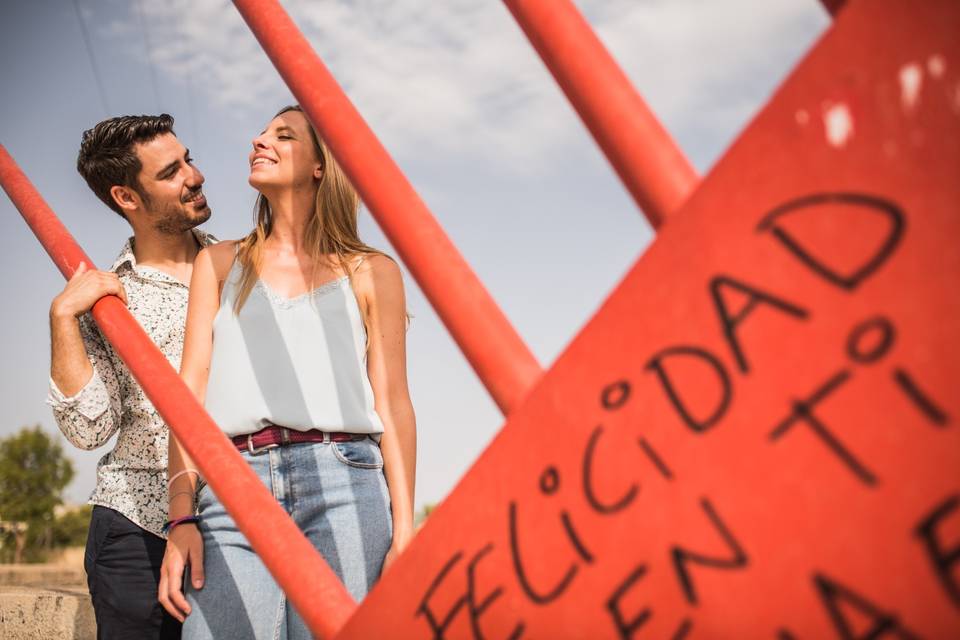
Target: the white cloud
pixel 458 77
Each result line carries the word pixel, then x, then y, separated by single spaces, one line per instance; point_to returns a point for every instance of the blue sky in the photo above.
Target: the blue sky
pixel 457 96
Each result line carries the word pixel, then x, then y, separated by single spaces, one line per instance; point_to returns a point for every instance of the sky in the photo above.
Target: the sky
pixel 460 100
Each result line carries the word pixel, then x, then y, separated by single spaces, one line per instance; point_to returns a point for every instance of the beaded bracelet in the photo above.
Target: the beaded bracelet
pixel 169 525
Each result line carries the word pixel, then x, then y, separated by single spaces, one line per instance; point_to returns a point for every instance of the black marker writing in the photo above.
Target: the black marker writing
pixel 945 560
pixel 656 364
pixel 682 557
pixel 808 205
pixel 590 493
pixel 729 322
pixel 803 413
pixel 836 597
pixel 469 599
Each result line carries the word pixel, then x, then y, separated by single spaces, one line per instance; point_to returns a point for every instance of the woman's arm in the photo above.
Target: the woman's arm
pixel 380 287
pixel 184 544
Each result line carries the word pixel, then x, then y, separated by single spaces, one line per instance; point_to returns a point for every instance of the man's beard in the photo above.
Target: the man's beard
pixel 176 219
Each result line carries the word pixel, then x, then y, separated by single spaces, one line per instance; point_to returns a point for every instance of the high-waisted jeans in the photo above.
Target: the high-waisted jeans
pixel 337 495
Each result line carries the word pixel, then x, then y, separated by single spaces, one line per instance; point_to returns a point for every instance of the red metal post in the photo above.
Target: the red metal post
pixel 833 6
pixel 307 579
pixel 648 161
pixel 497 353
pixel 757 433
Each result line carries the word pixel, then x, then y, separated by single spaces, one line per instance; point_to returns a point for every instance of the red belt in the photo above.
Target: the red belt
pixel 276 436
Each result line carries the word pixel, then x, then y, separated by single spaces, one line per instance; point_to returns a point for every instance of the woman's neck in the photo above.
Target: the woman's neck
pixel 291 210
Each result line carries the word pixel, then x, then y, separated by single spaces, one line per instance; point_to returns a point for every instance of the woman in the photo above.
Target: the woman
pixel 295 343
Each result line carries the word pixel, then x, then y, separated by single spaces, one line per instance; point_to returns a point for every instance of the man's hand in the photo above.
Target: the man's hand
pixel 184 547
pixel 70 368
pixel 84 288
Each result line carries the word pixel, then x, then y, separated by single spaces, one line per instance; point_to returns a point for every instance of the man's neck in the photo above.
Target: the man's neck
pixel 171 254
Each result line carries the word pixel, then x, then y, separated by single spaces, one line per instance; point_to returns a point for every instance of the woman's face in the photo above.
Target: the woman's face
pixel 283 155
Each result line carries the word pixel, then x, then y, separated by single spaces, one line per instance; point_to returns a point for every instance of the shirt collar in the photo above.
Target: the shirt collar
pixel 127 257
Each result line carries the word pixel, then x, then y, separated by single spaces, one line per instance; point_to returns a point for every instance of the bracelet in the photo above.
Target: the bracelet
pixel 170 524
pixel 180 473
pixel 180 493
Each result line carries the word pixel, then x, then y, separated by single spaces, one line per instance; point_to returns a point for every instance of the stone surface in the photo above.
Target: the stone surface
pixel 29 613
pixel 41 575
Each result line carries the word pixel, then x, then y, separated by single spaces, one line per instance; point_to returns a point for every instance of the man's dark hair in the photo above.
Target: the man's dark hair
pixel 107 157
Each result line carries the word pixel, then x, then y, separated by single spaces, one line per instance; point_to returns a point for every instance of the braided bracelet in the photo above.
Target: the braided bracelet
pixel 169 525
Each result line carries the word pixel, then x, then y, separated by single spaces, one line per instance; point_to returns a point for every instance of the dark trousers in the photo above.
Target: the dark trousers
pixel 123 570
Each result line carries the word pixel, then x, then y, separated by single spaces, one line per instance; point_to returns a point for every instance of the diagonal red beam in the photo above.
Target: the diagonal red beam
pixel 648 161
pixel 310 584
pixel 492 346
pixel 602 501
pixel 833 6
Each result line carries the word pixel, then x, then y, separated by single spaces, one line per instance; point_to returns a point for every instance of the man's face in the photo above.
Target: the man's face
pixel 171 186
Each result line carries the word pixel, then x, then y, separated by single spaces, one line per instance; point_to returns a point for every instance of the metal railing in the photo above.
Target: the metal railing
pixel 310 584
pixel 646 158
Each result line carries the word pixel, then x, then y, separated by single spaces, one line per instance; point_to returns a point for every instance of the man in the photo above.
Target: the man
pixel 137 167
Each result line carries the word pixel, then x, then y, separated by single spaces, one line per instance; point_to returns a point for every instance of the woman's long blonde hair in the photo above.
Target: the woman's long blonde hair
pixel 331 236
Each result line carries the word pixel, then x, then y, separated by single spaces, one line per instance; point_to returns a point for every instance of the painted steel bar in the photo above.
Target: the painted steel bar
pixel 833 6
pixel 492 346
pixel 310 584
pixel 649 162
pixel 636 522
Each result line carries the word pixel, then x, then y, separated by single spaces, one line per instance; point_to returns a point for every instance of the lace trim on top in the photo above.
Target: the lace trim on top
pixel 286 303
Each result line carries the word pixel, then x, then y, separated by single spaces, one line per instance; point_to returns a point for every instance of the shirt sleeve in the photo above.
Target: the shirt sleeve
pixel 89 417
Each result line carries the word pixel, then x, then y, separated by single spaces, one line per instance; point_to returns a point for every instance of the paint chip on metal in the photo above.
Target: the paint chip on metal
pixel 936 65
pixel 838 124
pixel 911 80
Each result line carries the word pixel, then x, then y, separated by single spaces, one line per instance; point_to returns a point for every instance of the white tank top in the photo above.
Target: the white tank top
pixel 299 363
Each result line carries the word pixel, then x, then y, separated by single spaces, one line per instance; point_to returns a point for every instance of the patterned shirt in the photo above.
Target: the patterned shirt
pixel 131 479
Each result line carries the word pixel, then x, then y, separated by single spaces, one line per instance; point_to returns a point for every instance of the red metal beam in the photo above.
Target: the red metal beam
pixel 647 488
pixel 648 161
pixel 310 584
pixel 497 353
pixel 833 6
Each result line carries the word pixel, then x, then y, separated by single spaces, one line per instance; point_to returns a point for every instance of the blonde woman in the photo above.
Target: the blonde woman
pixel 295 343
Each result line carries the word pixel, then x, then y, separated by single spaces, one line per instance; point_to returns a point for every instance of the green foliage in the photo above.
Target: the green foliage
pixel 70 529
pixel 66 530
pixel 33 474
pixel 38 542
pixel 420 517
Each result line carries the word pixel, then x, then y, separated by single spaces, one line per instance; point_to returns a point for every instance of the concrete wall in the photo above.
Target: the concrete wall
pixel 31 613
pixel 46 602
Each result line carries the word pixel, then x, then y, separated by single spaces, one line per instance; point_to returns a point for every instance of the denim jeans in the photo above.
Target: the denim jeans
pixel 337 495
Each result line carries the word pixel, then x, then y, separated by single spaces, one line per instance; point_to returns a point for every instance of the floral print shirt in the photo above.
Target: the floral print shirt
pixel 131 479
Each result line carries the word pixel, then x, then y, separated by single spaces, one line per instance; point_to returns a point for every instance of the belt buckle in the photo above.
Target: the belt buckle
pixel 254 451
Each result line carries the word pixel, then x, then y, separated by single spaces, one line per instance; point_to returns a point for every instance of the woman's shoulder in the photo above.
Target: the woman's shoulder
pixel 222 248
pixel 219 256
pixel 378 279
pixel 377 267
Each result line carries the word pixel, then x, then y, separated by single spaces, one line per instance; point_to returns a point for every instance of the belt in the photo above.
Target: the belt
pixel 277 436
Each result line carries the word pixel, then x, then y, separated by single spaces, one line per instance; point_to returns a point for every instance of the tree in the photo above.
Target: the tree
pixel 70 527
pixel 33 474
pixel 421 516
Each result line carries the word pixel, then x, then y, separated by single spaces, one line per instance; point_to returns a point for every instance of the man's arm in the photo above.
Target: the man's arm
pixel 83 384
